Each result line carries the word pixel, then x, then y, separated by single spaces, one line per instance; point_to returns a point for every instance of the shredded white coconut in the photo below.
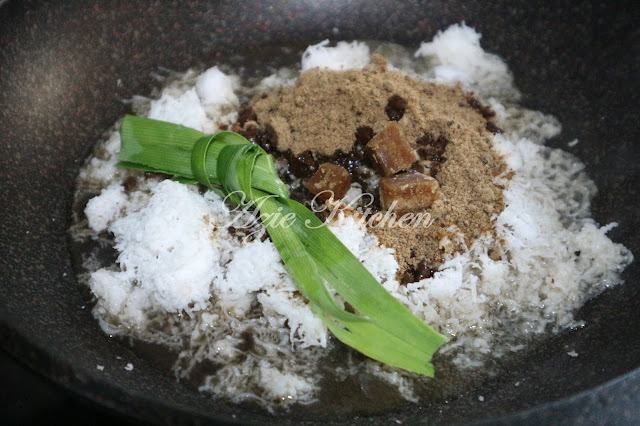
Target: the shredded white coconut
pixel 184 109
pixel 341 57
pixel 102 210
pixel 167 253
pixel 101 170
pixel 216 88
pixel 458 58
pixel 283 386
pixel 184 280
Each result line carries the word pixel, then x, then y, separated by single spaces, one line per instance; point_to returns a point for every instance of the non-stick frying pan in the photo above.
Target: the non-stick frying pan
pixel 66 66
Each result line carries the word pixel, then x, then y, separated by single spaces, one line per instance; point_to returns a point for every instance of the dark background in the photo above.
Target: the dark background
pixel 26 398
pixel 579 61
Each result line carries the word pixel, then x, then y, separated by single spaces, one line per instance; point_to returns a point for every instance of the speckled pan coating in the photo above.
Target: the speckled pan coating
pixel 66 65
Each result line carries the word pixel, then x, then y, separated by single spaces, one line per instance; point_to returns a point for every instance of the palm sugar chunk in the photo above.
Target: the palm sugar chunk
pixel 410 191
pixel 390 152
pixel 330 181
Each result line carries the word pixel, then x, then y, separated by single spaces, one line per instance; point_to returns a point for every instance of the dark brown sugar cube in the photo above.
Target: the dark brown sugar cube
pixel 410 191
pixel 329 181
pixel 390 152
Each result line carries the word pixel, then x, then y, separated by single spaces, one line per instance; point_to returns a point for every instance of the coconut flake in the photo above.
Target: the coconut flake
pixel 342 57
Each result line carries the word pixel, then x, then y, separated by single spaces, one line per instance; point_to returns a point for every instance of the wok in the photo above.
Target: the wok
pixel 65 67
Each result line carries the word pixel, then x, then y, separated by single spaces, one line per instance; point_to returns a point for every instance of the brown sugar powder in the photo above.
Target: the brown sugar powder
pixel 322 112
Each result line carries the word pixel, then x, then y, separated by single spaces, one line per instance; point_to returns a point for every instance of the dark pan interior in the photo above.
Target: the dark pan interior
pixel 60 63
